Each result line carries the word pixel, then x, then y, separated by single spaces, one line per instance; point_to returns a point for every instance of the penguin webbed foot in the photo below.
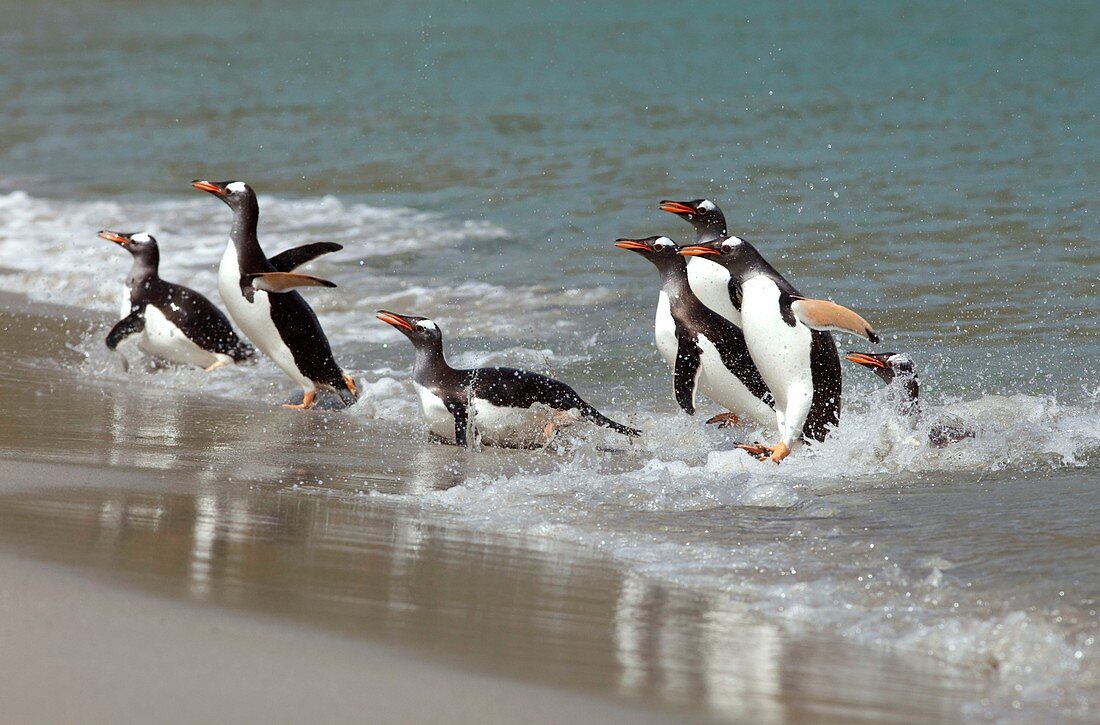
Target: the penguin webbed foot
pixel 308 400
pixel 724 420
pixel 761 452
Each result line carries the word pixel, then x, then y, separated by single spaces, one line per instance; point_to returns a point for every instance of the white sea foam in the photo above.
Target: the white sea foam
pixel 808 571
pixel 51 251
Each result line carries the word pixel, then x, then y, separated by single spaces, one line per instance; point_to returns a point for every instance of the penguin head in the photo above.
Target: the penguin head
pixel 652 248
pixel 420 330
pixel 141 245
pixel 887 365
pixel 726 252
pixel 703 214
pixel 236 194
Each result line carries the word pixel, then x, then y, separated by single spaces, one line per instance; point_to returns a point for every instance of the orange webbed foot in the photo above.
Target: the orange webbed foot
pixel 725 420
pixel 761 452
pixel 308 400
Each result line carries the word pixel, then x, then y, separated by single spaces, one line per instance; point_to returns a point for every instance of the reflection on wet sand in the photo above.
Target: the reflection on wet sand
pixel 552 613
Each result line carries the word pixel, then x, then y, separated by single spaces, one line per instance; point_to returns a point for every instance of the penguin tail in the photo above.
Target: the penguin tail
pixel 602 420
pixel 243 352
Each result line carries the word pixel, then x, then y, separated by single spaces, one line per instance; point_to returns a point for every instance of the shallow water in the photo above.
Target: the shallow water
pixel 935 171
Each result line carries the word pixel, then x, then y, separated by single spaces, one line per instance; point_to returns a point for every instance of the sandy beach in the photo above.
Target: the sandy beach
pixel 76 649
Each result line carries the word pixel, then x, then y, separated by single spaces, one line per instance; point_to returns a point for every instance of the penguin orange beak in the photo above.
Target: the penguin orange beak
pixel 115 237
pixel 210 186
pixel 864 359
pixel 698 251
pixel 677 207
pixel 634 244
pixel 394 319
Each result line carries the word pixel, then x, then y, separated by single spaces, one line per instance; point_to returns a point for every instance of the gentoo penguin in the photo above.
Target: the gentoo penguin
pixel 706 352
pixel 897 370
pixel 173 322
pixel 710 284
pixel 500 406
pixel 786 336
pixel 260 295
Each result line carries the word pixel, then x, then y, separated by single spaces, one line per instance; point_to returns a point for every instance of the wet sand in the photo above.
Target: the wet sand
pixel 163 544
pixel 78 650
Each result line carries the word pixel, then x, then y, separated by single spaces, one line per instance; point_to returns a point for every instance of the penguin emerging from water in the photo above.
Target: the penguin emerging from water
pixel 898 372
pixel 500 406
pixel 260 295
pixel 706 352
pixel 787 336
pixel 173 322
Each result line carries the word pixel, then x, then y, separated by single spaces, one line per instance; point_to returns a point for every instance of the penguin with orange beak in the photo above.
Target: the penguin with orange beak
pixel 497 406
pixel 172 322
pixel 261 296
pixel 900 375
pixel 788 338
pixel 706 351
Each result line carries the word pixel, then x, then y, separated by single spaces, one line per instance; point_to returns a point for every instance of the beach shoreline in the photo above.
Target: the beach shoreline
pixel 110 494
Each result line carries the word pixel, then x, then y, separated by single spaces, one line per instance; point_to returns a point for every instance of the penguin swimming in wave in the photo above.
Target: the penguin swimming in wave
pixel 499 406
pixel 706 352
pixel 787 336
pixel 898 372
pixel 259 293
pixel 172 322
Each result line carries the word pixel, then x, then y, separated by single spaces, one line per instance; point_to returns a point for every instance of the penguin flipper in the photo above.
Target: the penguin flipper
pixel 685 376
pixel 284 281
pixel 131 324
pixel 825 315
pixel 462 421
pixel 292 258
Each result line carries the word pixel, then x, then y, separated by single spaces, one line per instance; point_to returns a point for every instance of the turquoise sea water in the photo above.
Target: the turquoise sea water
pixel 935 167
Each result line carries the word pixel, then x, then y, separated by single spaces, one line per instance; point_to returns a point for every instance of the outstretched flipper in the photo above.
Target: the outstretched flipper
pixel 291 259
pixel 283 281
pixel 131 324
pixel 825 315
pixel 462 421
pixel 685 375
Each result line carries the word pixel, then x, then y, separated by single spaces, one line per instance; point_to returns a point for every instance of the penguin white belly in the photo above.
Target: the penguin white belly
pixel 781 353
pixel 664 331
pixel 723 387
pixel 163 339
pixel 710 283
pixel 254 318
pixel 507 426
pixel 440 421
pixel 124 304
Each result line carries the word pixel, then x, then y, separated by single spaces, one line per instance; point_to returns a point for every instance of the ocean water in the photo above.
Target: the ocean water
pixel 935 169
